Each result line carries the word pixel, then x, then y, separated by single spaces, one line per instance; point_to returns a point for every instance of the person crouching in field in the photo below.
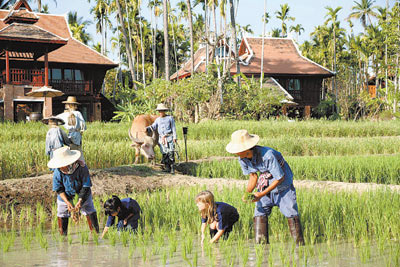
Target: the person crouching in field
pixel 71 177
pixel 274 185
pixel 219 215
pixel 165 126
pixel 55 137
pixel 127 210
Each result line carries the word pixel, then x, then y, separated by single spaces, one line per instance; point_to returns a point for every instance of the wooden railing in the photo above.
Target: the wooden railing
pixel 24 77
pixel 36 78
pixel 73 87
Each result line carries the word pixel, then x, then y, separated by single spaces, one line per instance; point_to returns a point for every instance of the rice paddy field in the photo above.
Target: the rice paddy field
pixel 340 228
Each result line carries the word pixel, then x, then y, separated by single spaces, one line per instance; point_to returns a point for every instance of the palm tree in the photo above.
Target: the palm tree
pixel 363 11
pixel 189 9
pixel 101 11
pixel 276 32
pixel 297 29
pixel 233 25
pixel 264 21
pixel 39 3
pixel 78 27
pixel 283 15
pixel 166 41
pixel 154 6
pixel 332 17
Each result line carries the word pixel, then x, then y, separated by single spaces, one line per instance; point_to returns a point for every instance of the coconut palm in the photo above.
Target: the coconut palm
pixel 101 11
pixel 39 4
pixel 154 5
pixel 332 17
pixel 78 27
pixel 166 41
pixel 363 11
pixel 297 29
pixel 283 15
pixel 233 25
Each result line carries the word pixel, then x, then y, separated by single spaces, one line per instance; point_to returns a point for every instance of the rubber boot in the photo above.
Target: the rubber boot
pixel 63 225
pixel 93 222
pixel 213 232
pixel 295 230
pixel 172 162
pixel 261 229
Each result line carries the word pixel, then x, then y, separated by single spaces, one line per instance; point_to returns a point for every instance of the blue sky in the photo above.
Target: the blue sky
pixel 308 13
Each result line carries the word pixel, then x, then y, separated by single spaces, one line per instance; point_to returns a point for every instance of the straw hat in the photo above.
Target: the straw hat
pixel 63 156
pixel 162 107
pixel 241 141
pixel 53 118
pixel 71 100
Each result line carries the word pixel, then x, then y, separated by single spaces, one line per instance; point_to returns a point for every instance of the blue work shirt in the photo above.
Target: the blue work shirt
pixel 226 215
pixel 73 183
pixel 130 207
pixel 266 159
pixel 164 126
pixel 55 138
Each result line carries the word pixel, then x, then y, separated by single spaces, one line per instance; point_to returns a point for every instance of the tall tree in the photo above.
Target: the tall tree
pixel 189 9
pixel 166 41
pixel 297 29
pixel 155 11
pixel 283 15
pixel 332 17
pixel 78 27
pixel 39 4
pixel 363 11
pixel 233 28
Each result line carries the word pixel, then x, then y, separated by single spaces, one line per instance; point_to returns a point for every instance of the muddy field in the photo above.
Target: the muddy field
pixel 127 179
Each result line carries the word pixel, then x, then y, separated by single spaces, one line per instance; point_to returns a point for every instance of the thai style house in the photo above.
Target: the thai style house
pixel 38 50
pixel 299 78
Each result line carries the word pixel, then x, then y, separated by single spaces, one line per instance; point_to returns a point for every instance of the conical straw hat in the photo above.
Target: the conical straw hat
pixel 241 141
pixel 58 120
pixel 63 156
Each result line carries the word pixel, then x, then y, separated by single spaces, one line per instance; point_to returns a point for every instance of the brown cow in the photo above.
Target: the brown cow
pixel 143 142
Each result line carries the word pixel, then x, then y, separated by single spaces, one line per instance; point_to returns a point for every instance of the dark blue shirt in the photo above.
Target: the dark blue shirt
pixel 226 215
pixel 72 184
pixel 130 207
pixel 266 159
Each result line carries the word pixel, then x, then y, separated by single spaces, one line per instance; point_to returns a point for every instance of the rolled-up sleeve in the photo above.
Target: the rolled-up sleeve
pixel 58 186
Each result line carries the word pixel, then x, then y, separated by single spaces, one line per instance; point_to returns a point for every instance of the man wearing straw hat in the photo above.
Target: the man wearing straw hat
pixel 55 137
pixel 165 125
pixel 74 123
pixel 71 177
pixel 274 183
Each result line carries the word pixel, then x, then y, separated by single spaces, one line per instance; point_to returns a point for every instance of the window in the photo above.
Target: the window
pixel 221 52
pixel 56 74
pixel 78 75
pixel 68 75
pixel 294 85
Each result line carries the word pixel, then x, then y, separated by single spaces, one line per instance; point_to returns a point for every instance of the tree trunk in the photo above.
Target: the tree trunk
pixel 262 48
pixel 142 46
pixel 128 51
pixel 232 8
pixel 166 42
pixel 191 36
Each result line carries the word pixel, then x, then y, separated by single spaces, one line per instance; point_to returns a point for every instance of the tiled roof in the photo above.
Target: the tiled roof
pixel 199 66
pixel 281 57
pixel 29 32
pixel 73 52
pixel 21 15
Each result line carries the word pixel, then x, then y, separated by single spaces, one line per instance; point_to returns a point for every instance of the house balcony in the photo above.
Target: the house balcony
pixel 36 78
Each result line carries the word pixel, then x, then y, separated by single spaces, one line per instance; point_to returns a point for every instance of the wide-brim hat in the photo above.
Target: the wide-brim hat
pixel 241 141
pixel 71 100
pixel 162 107
pixel 58 120
pixel 63 156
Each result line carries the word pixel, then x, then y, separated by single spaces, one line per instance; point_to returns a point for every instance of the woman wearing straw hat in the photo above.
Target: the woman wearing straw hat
pixel 71 177
pixel 274 184
pixel 55 137
pixel 74 123
pixel 165 125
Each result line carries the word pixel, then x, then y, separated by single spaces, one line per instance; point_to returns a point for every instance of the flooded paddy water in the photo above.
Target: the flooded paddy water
pixel 71 252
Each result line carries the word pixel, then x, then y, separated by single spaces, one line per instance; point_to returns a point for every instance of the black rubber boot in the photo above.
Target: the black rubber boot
pixel 93 222
pixel 261 229
pixel 63 225
pixel 295 230
pixel 213 232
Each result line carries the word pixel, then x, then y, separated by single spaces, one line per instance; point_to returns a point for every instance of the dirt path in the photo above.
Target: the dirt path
pixel 126 179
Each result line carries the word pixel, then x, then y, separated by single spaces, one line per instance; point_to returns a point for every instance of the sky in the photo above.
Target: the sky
pixel 308 13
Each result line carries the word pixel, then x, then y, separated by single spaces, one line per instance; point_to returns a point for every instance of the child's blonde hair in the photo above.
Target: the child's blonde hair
pixel 210 212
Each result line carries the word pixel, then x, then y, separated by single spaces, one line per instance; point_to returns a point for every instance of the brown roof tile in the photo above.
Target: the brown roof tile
pixel 21 15
pixel 29 32
pixel 281 57
pixel 74 51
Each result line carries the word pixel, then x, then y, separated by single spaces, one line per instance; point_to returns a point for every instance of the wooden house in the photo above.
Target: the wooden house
pixel 299 77
pixel 38 50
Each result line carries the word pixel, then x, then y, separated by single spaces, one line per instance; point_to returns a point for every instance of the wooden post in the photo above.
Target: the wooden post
pixel 46 69
pixel 7 68
pixel 307 112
